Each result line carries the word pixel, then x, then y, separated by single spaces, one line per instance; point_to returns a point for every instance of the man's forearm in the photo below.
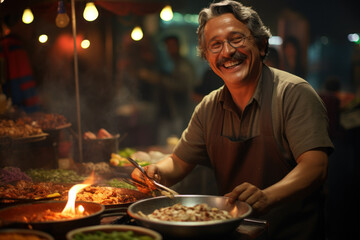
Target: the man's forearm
pixel 308 175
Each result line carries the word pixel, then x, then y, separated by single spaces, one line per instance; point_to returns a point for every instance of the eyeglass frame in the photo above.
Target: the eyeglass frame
pixel 241 42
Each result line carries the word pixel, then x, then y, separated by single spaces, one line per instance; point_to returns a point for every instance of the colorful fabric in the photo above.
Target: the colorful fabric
pixel 19 84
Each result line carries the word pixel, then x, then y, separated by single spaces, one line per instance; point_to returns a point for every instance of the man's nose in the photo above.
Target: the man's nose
pixel 227 48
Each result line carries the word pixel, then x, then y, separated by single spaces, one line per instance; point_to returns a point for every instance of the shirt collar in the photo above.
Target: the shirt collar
pixel 228 103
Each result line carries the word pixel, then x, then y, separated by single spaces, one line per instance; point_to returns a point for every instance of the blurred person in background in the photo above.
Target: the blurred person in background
pixel 176 87
pixel 292 56
pixel 272 58
pixel 264 133
pixel 16 75
pixel 343 162
pixel 209 82
pixel 332 103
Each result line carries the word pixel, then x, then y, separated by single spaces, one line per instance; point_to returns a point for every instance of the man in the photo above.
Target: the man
pixel 264 133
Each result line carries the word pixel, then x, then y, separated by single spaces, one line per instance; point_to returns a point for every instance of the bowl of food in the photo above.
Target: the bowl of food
pixel 113 232
pixel 11 234
pixel 190 216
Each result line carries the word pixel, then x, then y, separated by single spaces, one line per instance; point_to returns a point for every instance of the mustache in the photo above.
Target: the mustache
pixel 238 56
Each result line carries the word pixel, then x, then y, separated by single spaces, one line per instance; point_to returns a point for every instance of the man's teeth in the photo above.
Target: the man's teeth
pixel 231 64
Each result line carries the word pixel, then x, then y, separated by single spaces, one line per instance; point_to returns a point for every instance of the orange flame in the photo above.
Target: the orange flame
pixel 70 205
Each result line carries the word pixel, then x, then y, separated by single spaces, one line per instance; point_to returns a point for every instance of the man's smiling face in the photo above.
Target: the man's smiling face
pixel 234 65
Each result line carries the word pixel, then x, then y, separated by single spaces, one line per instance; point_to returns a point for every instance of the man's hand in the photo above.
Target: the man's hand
pixel 252 195
pixel 308 175
pixel 145 185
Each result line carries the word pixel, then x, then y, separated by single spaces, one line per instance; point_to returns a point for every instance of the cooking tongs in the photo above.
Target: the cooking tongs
pixel 157 185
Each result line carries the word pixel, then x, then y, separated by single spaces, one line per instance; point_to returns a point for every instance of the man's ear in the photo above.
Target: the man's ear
pixel 262 47
pixel 206 56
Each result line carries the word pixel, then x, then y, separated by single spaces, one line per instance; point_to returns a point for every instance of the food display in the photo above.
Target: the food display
pixel 9 175
pixel 101 134
pixel 45 121
pixel 143 158
pixel 29 190
pixel 102 195
pixel 28 126
pixel 100 168
pixel 18 129
pixel 117 183
pixel 55 175
pixel 42 183
pixel 98 194
pixel 181 213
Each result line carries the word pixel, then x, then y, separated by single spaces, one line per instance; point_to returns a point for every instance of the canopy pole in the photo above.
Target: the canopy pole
pixel 76 73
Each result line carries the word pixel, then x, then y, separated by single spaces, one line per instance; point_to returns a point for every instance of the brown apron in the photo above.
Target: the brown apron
pixel 259 161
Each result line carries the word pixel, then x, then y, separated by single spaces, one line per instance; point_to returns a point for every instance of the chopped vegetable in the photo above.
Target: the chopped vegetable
pixel 12 174
pixel 126 152
pixel 55 175
pixel 117 160
pixel 120 184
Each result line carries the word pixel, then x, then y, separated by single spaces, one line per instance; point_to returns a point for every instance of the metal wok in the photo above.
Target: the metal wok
pixel 12 217
pixel 239 211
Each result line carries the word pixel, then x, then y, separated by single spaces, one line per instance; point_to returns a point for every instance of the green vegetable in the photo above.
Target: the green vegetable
pixel 126 152
pixel 54 175
pixel 114 235
pixel 120 184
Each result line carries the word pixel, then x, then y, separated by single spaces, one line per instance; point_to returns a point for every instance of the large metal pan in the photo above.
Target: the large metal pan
pixel 239 211
pixel 12 217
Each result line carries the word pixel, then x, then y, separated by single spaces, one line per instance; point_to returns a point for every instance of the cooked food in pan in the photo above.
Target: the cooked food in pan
pixel 18 129
pixel 98 194
pixel 49 215
pixel 181 213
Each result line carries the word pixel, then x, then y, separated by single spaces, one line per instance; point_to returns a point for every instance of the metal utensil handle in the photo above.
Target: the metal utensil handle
pixel 165 188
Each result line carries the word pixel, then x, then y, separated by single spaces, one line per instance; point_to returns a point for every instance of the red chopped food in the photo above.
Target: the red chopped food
pixel 102 133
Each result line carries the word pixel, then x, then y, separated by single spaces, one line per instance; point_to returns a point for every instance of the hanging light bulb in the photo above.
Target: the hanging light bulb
pixel 43 38
pixel 27 16
pixel 85 43
pixel 166 13
pixel 90 12
pixel 137 34
pixel 62 19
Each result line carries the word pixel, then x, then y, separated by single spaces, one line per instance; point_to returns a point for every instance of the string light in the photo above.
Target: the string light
pixel 43 38
pixel 166 13
pixel 62 19
pixel 137 33
pixel 85 44
pixel 27 16
pixel 90 12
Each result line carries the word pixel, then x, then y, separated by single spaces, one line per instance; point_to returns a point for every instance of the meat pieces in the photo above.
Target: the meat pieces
pixel 199 212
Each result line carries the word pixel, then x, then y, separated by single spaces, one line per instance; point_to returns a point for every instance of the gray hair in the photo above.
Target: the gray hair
pixel 244 14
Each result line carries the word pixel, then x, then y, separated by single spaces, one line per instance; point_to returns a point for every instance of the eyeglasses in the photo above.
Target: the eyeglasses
pixel 236 41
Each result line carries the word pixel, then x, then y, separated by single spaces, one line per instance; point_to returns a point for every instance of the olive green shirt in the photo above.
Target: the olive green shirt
pixel 300 121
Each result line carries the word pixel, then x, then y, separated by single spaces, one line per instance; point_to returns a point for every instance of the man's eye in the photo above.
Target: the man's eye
pixel 215 45
pixel 236 40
